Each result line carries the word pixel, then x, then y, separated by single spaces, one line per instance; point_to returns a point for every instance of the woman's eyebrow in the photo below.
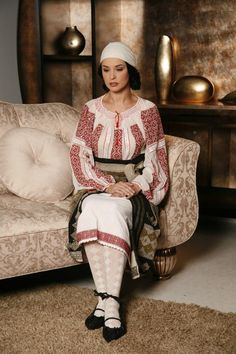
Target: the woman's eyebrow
pixel 116 66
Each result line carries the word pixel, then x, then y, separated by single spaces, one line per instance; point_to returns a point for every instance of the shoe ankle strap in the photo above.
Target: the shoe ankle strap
pixel 102 295
pixel 106 296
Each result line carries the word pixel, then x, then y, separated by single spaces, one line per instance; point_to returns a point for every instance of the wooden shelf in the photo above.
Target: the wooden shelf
pixel 214 105
pixel 61 57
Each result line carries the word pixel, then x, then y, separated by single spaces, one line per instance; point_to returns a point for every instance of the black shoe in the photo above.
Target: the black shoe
pixel 110 334
pixel 92 321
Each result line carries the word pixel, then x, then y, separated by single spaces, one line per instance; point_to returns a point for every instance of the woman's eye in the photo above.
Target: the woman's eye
pixel 105 70
pixel 119 69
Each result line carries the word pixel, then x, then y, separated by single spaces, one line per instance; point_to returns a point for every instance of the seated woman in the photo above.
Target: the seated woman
pixel 122 128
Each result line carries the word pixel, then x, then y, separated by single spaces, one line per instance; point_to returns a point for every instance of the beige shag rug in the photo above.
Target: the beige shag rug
pixel 50 320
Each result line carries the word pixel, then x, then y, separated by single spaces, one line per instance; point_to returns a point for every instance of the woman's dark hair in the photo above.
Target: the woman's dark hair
pixel 134 77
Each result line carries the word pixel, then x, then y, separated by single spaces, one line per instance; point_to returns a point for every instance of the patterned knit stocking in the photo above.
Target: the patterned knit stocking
pixel 115 262
pixel 95 255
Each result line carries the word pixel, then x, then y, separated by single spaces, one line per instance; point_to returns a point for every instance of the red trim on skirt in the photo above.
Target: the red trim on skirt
pixel 94 234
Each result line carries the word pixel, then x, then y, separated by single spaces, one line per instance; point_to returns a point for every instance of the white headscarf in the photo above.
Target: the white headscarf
pixel 119 50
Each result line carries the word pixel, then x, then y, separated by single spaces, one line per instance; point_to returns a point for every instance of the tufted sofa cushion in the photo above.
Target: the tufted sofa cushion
pixel 35 165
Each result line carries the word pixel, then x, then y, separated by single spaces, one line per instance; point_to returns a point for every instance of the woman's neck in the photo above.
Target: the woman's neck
pixel 119 101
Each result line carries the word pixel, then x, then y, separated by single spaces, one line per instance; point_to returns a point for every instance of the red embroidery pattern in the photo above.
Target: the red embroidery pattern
pixel 79 175
pixel 162 158
pixel 96 135
pixel 94 234
pixel 116 152
pixel 152 123
pixel 80 156
pixel 85 126
pixel 154 133
pixel 139 140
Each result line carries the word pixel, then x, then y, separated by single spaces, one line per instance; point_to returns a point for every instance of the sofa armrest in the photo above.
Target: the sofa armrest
pixel 179 210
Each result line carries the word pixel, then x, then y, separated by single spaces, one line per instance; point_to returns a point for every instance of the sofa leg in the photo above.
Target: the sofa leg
pixel 164 262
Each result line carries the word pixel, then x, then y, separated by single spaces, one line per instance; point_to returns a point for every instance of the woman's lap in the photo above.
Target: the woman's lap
pixel 106 219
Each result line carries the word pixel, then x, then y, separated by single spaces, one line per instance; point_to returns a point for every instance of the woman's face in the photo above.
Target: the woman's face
pixel 115 74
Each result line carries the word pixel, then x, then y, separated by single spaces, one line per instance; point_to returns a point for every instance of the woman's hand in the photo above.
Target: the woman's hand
pixel 136 188
pixel 123 189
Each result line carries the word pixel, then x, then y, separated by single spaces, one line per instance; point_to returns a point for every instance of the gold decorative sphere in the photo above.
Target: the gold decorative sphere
pixel 193 89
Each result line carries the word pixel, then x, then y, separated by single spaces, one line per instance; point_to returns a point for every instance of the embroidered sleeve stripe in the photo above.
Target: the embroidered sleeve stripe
pixel 138 137
pixel 162 158
pixel 99 177
pixel 80 172
pixel 151 121
pixel 85 126
pixel 94 175
pixel 96 136
pixel 89 174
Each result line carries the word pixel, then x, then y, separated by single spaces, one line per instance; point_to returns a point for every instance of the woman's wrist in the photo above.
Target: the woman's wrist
pixel 136 187
pixel 108 188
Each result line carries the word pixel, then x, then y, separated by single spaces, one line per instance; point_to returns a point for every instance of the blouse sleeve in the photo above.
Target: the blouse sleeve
pixel 154 179
pixel 85 173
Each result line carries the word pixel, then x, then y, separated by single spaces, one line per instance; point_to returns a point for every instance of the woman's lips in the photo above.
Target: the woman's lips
pixel 113 84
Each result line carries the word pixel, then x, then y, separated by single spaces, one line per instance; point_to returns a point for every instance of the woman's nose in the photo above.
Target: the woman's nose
pixel 112 74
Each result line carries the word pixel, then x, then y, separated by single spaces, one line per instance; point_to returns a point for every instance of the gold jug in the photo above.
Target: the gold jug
pixel 72 41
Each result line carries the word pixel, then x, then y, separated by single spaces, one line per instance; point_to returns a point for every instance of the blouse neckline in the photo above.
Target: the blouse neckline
pixel 127 112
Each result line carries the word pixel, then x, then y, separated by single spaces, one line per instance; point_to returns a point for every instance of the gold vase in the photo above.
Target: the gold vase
pixel 164 68
pixel 164 262
pixel 72 41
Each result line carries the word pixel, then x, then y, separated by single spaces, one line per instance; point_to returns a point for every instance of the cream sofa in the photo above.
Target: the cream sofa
pixel 33 224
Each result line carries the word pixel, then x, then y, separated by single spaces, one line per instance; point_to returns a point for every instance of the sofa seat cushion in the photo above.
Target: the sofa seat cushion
pixel 21 216
pixel 35 165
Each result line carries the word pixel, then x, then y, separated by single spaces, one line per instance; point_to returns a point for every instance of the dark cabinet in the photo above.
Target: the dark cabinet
pixel 213 126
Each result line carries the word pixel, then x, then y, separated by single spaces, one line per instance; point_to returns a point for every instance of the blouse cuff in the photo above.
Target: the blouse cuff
pixel 108 185
pixel 143 184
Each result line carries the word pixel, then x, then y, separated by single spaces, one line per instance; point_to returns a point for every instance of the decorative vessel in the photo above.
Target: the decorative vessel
pixel 229 99
pixel 193 89
pixel 164 262
pixel 164 68
pixel 72 41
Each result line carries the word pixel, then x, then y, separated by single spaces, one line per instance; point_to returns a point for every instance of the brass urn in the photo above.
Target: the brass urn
pixel 72 41
pixel 193 89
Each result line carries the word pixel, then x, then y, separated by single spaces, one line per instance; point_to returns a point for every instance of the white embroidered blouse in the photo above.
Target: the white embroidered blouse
pixel 103 134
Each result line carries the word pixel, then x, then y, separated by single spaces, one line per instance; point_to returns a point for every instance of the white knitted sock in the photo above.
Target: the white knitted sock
pixel 115 262
pixel 95 255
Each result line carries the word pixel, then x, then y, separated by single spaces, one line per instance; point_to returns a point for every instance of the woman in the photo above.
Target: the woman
pixel 118 127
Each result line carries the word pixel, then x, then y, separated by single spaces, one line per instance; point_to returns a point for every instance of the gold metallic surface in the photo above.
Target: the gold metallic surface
pixel 72 41
pixel 164 68
pixel 164 262
pixel 194 89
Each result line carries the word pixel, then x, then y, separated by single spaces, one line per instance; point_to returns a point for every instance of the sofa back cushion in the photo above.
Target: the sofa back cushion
pixel 8 120
pixel 57 119
pixel 35 165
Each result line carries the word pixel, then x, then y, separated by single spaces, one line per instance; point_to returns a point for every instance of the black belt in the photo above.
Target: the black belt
pixel 135 160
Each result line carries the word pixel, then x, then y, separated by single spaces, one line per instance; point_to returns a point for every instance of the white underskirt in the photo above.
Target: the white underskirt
pixel 107 220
